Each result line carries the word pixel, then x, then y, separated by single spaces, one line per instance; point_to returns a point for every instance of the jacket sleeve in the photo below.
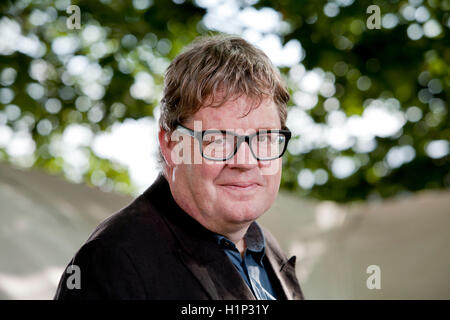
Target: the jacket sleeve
pixel 102 271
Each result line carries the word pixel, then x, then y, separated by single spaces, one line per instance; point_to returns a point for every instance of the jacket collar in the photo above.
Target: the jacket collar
pixel 195 239
pixel 254 240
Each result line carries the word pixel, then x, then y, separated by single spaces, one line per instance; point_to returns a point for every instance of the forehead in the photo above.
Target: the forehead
pixel 234 114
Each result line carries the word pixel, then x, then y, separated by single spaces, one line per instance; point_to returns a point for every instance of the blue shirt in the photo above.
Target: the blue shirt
pixel 251 267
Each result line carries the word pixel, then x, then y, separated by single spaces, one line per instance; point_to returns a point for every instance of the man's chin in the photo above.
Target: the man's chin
pixel 243 215
pixel 239 193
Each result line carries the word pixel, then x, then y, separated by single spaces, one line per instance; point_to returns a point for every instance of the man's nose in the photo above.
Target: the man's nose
pixel 243 158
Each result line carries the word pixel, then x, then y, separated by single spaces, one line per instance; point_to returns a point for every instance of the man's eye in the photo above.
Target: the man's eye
pixel 214 140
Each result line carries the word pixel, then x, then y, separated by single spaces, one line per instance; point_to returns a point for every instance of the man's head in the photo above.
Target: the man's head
pixel 223 83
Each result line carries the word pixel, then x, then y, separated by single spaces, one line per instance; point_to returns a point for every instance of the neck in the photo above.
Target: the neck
pixel 241 246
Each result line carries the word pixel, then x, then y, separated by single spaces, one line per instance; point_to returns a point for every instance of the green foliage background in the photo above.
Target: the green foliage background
pixel 134 40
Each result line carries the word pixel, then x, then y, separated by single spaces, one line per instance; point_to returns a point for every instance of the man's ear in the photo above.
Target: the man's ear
pixel 166 145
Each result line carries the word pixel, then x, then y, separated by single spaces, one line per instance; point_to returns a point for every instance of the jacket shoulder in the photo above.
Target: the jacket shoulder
pixel 135 223
pixel 100 271
pixel 111 260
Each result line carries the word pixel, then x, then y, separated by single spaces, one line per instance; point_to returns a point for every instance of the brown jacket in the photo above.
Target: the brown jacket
pixel 152 249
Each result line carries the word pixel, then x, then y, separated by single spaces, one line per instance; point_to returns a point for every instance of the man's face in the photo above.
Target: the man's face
pixel 226 195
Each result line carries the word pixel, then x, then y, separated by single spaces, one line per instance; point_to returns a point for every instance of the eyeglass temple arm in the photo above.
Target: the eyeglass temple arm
pixel 185 130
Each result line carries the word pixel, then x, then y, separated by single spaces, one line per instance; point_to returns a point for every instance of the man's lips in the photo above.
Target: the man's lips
pixel 241 185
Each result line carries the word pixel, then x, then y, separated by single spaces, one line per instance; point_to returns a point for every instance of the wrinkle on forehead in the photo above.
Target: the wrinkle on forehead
pixel 234 114
pixel 220 97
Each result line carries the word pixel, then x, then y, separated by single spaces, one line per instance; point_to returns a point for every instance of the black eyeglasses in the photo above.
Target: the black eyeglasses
pixel 221 145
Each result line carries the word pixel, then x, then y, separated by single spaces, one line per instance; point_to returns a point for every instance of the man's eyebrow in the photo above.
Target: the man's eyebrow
pixel 257 129
pixel 269 128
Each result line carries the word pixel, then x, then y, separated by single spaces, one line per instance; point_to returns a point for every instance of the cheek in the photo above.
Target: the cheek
pixel 271 170
pixel 273 184
pixel 204 175
pixel 272 177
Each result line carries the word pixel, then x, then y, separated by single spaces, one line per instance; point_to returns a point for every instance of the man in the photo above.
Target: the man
pixel 192 234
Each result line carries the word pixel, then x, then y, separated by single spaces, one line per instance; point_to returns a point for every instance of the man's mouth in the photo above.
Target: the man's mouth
pixel 241 186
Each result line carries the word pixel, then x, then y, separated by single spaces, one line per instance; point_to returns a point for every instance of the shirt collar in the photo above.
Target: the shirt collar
pixel 254 240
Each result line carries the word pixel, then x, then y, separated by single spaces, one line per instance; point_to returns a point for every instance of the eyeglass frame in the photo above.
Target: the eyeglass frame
pixel 198 135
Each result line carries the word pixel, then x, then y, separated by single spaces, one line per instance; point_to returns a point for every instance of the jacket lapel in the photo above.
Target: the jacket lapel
pixel 201 272
pixel 284 271
pixel 218 277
